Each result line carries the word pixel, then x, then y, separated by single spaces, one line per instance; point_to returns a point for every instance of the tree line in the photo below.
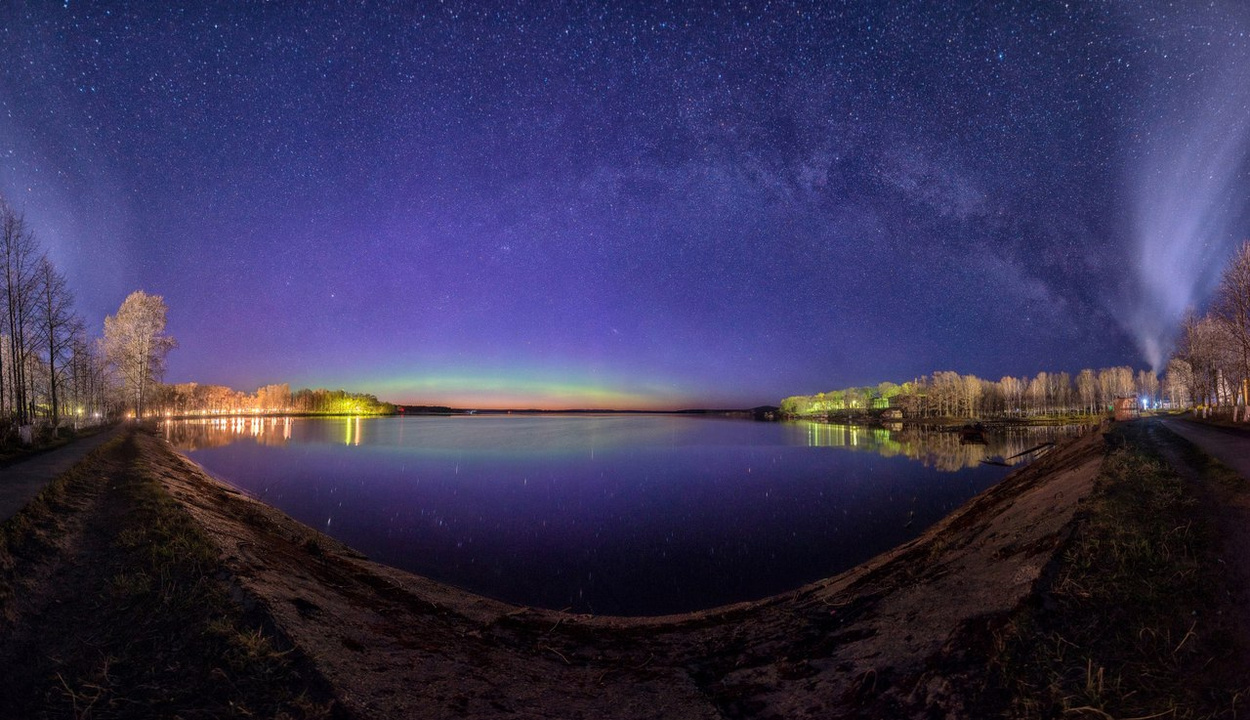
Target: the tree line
pixel 50 370
pixel 186 399
pixel 951 394
pixel 1212 357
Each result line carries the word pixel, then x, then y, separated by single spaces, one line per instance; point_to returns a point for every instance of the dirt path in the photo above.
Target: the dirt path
pixel 1230 507
pixel 60 589
pixel 1230 446
pixel 113 605
pixel 23 480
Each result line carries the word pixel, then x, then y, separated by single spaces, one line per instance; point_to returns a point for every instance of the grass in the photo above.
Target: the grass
pixel 1125 623
pixel 153 631
pixel 11 452
pixel 33 532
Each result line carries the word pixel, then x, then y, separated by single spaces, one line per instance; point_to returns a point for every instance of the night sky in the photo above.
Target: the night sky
pixel 632 205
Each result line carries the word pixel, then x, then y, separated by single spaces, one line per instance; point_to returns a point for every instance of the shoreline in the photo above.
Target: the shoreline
pixel 930 628
pixel 637 571
pixel 791 652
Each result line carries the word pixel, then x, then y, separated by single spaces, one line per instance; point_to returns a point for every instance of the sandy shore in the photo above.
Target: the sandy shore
pixel 898 636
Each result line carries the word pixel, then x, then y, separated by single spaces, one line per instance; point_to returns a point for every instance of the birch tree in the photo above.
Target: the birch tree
pixel 1087 389
pixel 136 345
pixel 1232 308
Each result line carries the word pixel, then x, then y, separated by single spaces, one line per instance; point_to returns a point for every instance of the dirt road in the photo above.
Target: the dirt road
pixel 1230 446
pixel 1229 506
pixel 23 480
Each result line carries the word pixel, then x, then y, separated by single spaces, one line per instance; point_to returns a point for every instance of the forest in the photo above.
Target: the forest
pixel 51 371
pixel 950 394
pixel 1212 358
pixel 1209 370
pixel 193 399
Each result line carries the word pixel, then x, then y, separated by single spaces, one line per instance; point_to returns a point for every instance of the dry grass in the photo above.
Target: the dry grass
pixel 1124 624
pixel 147 628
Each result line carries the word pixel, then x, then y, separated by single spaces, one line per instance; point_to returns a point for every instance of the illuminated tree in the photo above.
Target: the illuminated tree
pixel 271 398
pixel 1013 393
pixel 1197 348
pixel 1061 391
pixel 136 345
pixel 1178 383
pixel 1087 389
pixel 971 392
pixel 1037 392
pixel 1148 386
pixel 1232 309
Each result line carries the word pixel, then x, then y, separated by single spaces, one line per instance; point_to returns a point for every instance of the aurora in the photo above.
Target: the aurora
pixel 532 390
pixel 656 206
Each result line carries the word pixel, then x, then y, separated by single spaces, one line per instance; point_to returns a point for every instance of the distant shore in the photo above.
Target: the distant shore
pixel 764 412
pixel 767 412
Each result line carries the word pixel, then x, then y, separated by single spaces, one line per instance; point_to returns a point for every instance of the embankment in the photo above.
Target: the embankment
pixel 893 634
pixel 236 605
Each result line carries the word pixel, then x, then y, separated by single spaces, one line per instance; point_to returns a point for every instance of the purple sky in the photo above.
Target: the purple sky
pixel 633 205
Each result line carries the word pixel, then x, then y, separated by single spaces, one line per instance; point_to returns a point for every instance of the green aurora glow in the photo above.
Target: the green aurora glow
pixel 520 389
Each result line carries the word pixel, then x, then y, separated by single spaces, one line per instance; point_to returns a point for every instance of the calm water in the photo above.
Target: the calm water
pixel 616 514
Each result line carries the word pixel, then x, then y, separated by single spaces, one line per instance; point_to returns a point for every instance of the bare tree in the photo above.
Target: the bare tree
pixel 56 324
pixel 1178 383
pixel 136 345
pixel 17 287
pixel 1199 348
pixel 1087 389
pixel 1148 386
pixel 1232 309
pixel 85 378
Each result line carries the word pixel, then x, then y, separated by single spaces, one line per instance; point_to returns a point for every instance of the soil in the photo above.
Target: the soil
pixel 900 636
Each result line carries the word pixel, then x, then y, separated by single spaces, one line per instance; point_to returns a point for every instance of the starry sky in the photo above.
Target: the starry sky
pixel 634 205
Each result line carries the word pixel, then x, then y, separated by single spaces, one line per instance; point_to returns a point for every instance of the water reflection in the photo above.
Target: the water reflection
pixel 632 514
pixel 548 435
pixel 204 433
pixel 936 447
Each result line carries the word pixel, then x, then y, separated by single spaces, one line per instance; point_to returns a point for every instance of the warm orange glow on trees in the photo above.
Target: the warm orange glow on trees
pixel 136 345
pixel 194 399
pixel 950 394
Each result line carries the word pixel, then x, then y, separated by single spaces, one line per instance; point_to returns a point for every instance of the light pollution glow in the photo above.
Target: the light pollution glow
pixel 519 390
pixel 1189 199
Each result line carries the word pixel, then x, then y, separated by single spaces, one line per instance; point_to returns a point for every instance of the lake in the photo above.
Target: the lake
pixel 609 514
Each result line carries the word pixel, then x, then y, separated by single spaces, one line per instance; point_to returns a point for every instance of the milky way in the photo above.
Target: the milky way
pixel 642 206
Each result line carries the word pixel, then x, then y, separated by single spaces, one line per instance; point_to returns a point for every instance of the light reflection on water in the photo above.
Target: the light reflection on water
pixel 626 514
pixel 937 447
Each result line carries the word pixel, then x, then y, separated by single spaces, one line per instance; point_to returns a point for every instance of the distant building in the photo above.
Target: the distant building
pixel 894 414
pixel 1126 408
